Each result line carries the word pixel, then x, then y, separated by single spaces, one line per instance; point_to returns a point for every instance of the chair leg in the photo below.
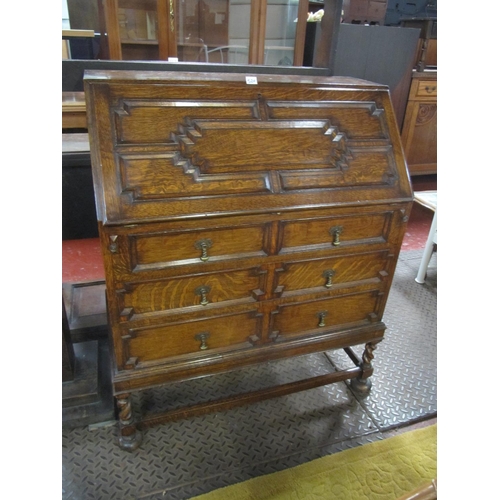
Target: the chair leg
pixel 429 246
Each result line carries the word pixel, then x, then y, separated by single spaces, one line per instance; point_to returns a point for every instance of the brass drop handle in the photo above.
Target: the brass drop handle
pixel 336 231
pixel 202 337
pixel 203 245
pixel 429 90
pixel 328 274
pixel 322 315
pixel 203 291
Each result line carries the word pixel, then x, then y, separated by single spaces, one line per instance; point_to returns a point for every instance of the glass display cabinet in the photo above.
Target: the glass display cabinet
pixel 266 32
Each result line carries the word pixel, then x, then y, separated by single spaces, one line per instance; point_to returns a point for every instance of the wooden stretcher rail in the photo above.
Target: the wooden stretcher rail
pixel 249 398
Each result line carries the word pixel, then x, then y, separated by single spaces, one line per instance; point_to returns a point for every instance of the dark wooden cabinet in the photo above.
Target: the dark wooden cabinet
pixel 364 11
pixel 419 133
pixel 241 222
pixel 426 56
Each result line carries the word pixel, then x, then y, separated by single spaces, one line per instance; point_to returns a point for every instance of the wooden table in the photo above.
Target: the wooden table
pixel 73 110
pixel 75 143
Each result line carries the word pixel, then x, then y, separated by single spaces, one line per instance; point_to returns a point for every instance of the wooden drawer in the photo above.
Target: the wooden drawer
pixel 163 249
pixel 335 232
pixel 315 317
pixel 188 337
pixel 426 88
pixel 198 291
pixel 331 273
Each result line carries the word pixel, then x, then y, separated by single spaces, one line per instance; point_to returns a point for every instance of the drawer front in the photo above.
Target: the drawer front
pixel 192 291
pixel 194 338
pixel 335 233
pixel 332 273
pixel 427 88
pixel 150 251
pixel 313 318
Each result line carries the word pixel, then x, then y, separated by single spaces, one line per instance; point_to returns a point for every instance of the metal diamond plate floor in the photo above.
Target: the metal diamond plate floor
pixel 190 457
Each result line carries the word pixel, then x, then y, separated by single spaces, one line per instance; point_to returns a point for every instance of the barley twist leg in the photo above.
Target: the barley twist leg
pixel 130 438
pixel 362 384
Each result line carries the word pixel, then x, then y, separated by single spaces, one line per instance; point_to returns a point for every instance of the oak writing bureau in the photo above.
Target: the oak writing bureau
pixel 242 221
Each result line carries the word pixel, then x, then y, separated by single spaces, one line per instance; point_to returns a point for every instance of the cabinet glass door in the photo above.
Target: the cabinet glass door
pixel 270 32
pixel 213 31
pixel 138 29
pixel 281 26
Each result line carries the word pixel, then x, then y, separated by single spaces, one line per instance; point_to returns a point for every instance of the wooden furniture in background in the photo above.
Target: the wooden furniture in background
pixel 167 29
pixel 86 384
pixel 427 49
pixel 66 34
pixel 73 110
pixel 419 133
pixel 364 11
pixel 73 35
pixel 138 29
pixel 242 222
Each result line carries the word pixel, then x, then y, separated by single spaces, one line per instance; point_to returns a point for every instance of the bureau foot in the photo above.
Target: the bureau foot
pixel 362 384
pixel 130 438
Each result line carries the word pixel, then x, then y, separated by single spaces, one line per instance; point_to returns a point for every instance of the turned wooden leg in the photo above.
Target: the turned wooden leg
pixel 362 384
pixel 130 437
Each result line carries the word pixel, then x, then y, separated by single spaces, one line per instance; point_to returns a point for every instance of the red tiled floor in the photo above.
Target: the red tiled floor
pixel 82 260
pixel 418 228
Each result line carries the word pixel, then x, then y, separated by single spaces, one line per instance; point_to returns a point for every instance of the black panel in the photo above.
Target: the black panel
pixel 397 9
pixel 380 54
pixel 78 202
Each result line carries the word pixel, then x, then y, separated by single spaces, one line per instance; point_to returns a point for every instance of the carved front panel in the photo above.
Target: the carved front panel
pixel 260 145
pixel 221 157
pixel 155 176
pixel 133 117
pixel 209 148
pixel 355 119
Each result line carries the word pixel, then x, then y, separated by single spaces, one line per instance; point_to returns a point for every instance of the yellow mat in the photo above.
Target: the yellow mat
pixel 381 470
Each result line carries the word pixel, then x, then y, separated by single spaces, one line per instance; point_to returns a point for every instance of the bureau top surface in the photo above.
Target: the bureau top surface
pixel 169 145
pixel 154 77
